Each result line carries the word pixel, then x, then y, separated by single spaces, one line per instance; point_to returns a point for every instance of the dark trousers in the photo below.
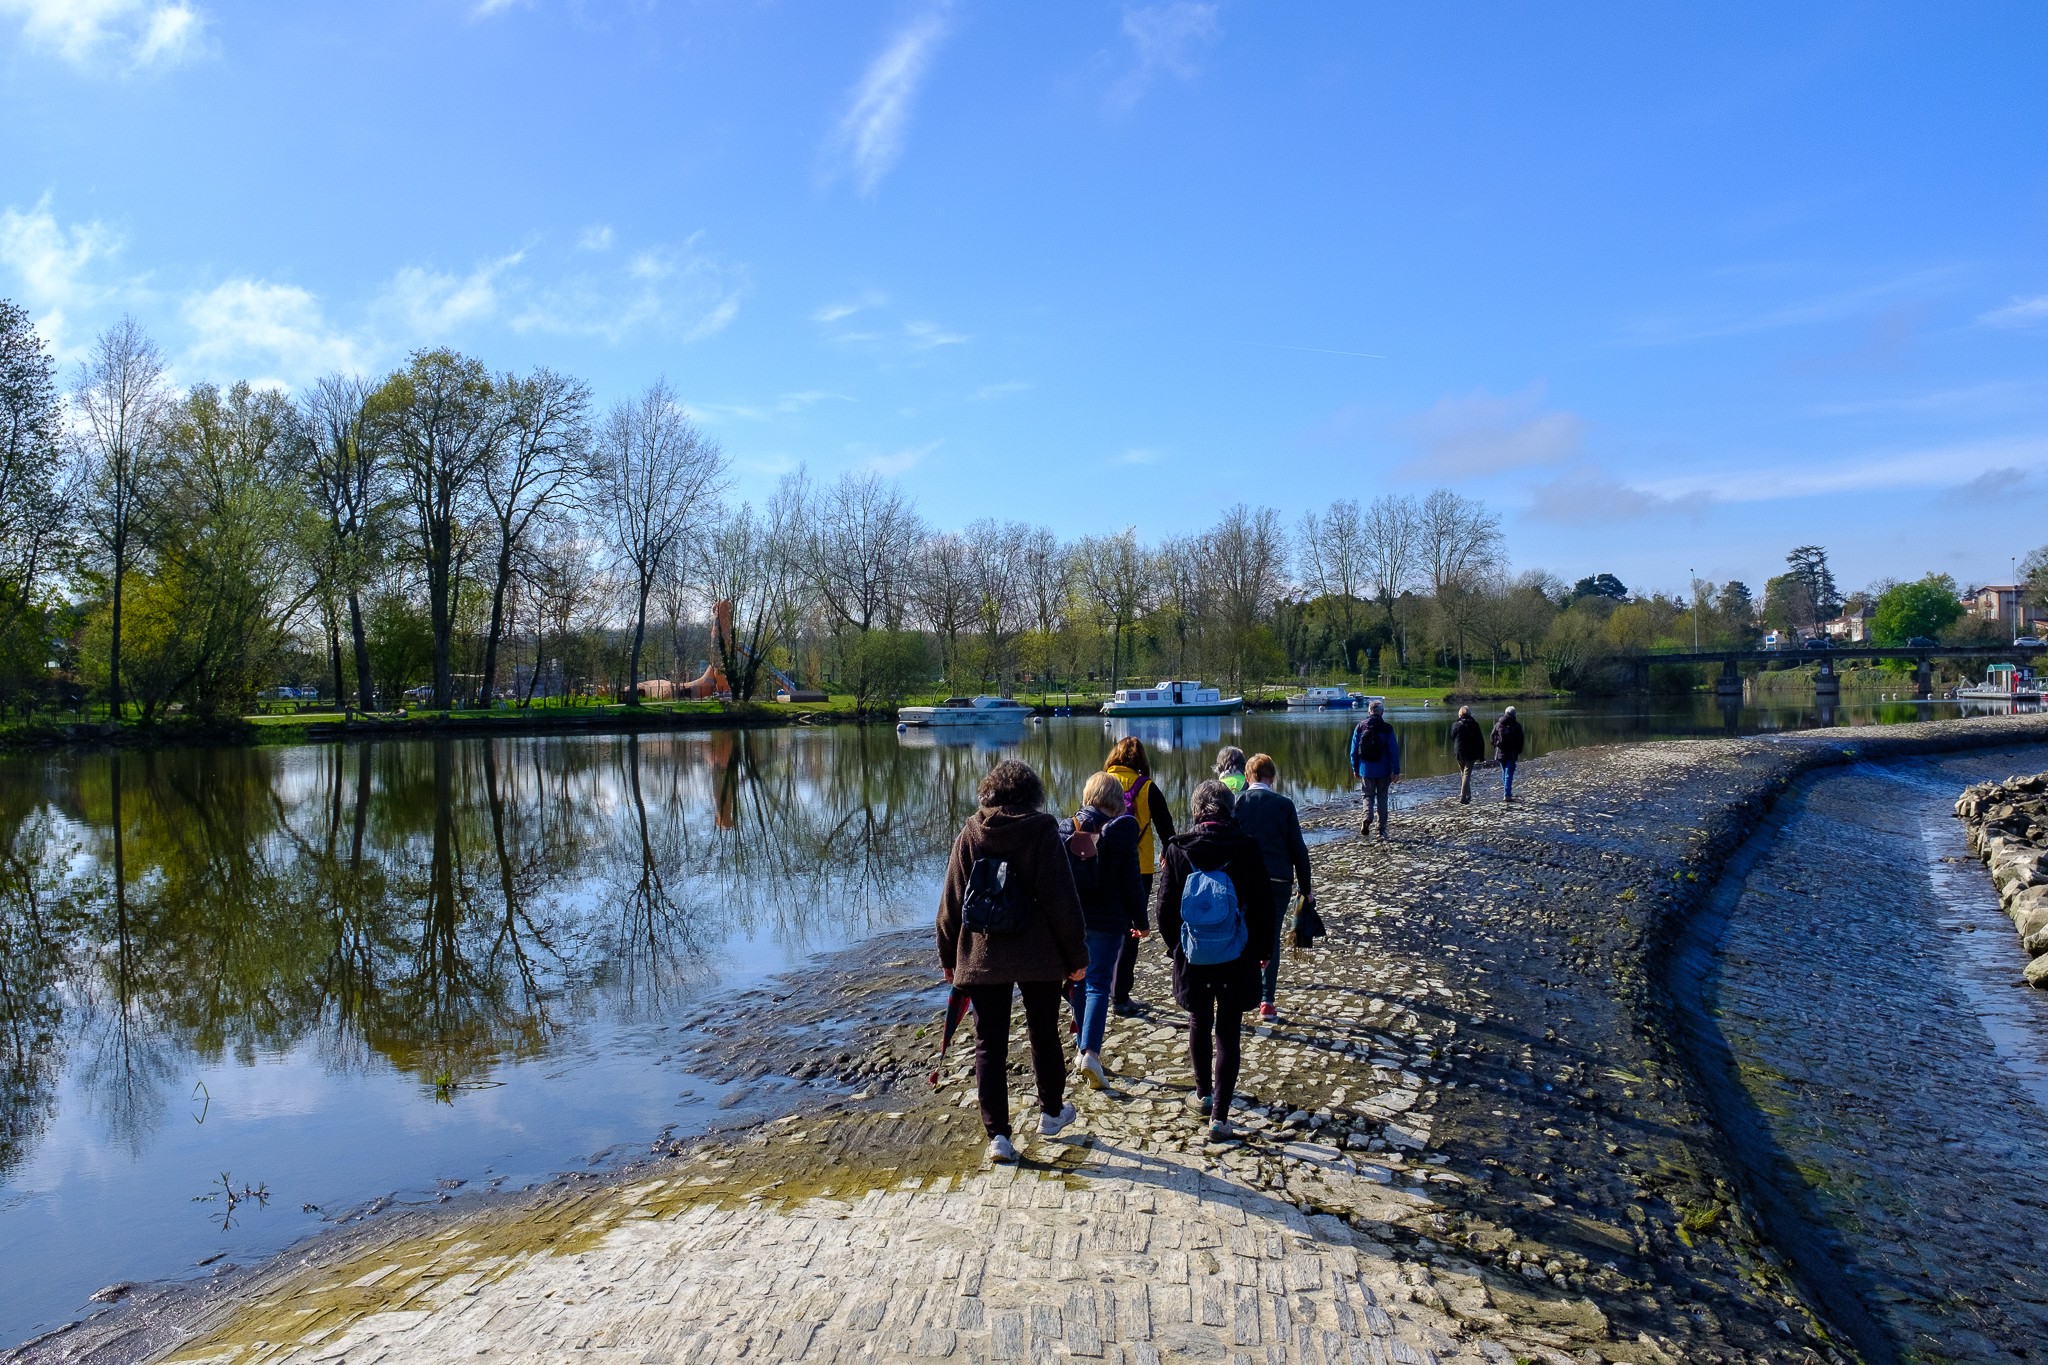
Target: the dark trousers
pixel 1127 957
pixel 1215 1031
pixel 992 1048
pixel 1269 981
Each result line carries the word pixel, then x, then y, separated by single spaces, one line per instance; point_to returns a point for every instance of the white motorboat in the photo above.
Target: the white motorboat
pixel 965 711
pixel 1171 699
pixel 1322 699
pixel 2003 682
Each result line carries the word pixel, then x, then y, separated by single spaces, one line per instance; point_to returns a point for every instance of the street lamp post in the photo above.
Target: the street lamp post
pixel 1695 609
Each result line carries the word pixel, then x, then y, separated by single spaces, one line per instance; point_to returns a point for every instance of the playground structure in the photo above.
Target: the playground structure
pixel 712 682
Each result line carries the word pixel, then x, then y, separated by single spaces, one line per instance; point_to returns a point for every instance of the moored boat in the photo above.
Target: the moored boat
pixel 965 711
pixel 1171 699
pixel 1322 699
pixel 2003 682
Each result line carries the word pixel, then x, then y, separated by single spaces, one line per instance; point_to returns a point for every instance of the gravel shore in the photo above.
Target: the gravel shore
pixel 1473 1136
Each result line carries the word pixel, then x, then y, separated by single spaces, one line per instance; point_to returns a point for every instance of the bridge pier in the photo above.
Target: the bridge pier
pixel 1729 684
pixel 1826 686
pixel 1923 680
pixel 1640 678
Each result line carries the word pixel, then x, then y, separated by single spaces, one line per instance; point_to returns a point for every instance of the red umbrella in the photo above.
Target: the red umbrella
pixel 957 1005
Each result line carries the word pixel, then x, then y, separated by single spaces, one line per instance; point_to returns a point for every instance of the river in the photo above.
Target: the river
pixel 246 992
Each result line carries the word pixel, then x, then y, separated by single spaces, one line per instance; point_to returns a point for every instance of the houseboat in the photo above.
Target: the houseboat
pixel 1322 699
pixel 965 711
pixel 2003 682
pixel 1171 699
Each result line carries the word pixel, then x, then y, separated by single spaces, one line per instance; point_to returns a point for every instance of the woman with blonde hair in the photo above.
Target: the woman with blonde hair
pixel 1132 768
pixel 1102 851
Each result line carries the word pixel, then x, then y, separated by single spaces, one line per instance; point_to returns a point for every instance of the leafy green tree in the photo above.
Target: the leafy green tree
pixel 1926 607
pixel 1808 565
pixel 1604 586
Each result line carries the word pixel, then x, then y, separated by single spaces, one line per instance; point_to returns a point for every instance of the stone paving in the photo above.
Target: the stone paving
pixel 1472 1137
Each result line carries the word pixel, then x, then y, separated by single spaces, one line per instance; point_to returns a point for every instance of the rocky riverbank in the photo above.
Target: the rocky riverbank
pixel 2008 824
pixel 1474 1136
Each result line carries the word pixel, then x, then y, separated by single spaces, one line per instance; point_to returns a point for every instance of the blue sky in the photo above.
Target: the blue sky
pixel 1672 289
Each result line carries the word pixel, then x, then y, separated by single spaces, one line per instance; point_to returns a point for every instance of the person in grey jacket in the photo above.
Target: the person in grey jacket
pixel 1272 823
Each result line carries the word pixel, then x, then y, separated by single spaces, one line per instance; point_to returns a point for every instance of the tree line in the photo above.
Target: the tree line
pixel 475 537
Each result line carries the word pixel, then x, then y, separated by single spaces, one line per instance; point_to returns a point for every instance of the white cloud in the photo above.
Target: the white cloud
pixel 56 267
pixel 1003 390
pixel 1141 455
pixel 787 405
pixel 923 336
pixel 596 237
pixel 833 312
pixel 900 462
pixel 430 303
pixel 870 133
pixel 2018 313
pixel 1482 433
pixel 1677 330
pixel 485 9
pixel 680 289
pixel 1591 496
pixel 242 322
pixel 129 35
pixel 1166 38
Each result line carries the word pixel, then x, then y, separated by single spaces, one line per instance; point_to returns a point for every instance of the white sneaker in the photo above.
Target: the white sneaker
pixel 1049 1125
pixel 1000 1148
pixel 1091 1071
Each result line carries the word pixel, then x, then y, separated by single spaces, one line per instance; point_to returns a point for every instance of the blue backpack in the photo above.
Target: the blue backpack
pixel 1211 926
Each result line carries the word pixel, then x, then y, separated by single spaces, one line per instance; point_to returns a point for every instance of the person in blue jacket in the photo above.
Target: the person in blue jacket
pixel 1376 758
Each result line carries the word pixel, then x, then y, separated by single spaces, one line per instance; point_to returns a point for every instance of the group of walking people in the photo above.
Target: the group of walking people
pixel 1034 905
pixel 1045 909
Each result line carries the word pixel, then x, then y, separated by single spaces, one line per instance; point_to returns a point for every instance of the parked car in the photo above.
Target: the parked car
pixel 2031 642
pixel 1820 642
pixel 1921 642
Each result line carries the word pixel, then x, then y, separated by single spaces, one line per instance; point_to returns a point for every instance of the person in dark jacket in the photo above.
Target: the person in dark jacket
pixel 1468 746
pixel 1270 821
pixel 1376 758
pixel 1507 746
pixel 1216 995
pixel 1129 765
pixel 1102 850
pixel 1047 947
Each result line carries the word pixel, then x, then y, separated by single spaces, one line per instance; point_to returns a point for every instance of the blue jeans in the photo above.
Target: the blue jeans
pixel 1507 777
pixel 1103 949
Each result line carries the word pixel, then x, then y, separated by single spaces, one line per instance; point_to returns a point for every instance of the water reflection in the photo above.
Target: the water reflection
pixel 342 971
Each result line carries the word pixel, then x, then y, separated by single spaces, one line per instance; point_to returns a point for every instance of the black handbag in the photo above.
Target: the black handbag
pixel 1308 927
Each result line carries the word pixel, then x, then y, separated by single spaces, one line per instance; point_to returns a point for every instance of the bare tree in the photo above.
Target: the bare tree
pixel 1458 537
pixel 656 471
pixel 1391 529
pixel 1116 574
pixel 122 396
pixel 350 489
pixel 1181 574
pixel 751 564
pixel 943 589
pixel 862 534
pixel 1333 556
pixel 443 424
pixel 541 464
pixel 995 557
pixel 1047 570
pixel 1247 561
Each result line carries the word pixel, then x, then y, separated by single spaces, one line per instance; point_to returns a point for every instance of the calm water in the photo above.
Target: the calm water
pixel 350 973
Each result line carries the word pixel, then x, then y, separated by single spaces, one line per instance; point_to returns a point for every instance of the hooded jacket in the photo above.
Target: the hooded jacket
pixel 1468 743
pixel 1049 945
pixel 1113 900
pixel 1213 846
pixel 1507 738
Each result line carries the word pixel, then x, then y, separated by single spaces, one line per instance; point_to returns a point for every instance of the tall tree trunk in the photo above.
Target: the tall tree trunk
pixel 443 623
pixel 487 693
pixel 334 656
pixel 364 688
pixel 639 635
pixel 114 651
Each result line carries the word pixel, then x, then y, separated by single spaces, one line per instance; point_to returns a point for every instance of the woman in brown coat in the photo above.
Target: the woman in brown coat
pixel 1009 917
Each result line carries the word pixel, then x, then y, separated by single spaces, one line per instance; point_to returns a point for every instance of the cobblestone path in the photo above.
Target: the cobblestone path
pixel 1470 1138
pixel 1848 1009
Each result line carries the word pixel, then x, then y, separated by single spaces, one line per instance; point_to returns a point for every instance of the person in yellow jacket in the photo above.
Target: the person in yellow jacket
pixel 1128 764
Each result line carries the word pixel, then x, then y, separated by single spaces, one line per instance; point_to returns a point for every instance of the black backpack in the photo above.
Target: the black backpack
pixel 992 905
pixel 1369 741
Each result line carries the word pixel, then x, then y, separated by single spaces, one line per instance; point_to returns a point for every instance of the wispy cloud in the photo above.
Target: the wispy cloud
pixel 835 312
pixel 900 462
pixel 1589 496
pixel 923 336
pixel 869 136
pixel 432 303
pixel 596 237
pixel 1164 38
pixel 1484 433
pixel 242 323
pixel 112 35
pixel 59 268
pixel 1677 329
pixel 786 405
pixel 987 392
pixel 1138 455
pixel 2026 312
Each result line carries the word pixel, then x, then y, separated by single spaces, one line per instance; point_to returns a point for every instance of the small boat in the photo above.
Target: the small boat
pixel 1361 701
pixel 2003 682
pixel 1322 699
pixel 965 711
pixel 1171 699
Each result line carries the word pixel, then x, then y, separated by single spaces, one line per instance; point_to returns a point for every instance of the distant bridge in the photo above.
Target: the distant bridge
pixel 1826 683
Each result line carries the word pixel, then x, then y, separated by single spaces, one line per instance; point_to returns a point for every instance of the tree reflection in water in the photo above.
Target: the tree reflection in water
pixel 436 907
